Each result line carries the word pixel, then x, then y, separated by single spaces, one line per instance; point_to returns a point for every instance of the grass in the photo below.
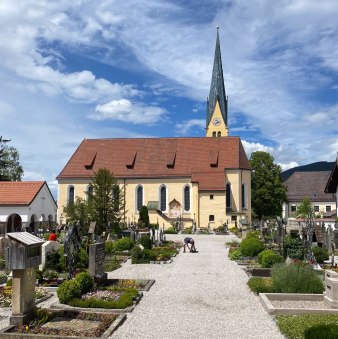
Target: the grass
pixel 294 326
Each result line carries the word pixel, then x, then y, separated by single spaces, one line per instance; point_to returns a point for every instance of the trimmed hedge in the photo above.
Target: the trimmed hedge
pixel 260 285
pixel 124 244
pixel 170 230
pixel 294 248
pixel 250 247
pixel 268 258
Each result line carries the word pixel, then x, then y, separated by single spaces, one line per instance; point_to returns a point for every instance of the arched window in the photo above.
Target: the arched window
pixel 214 134
pixel 219 134
pixel 90 191
pixel 228 195
pixel 163 198
pixel 71 194
pixel 187 198
pixel 116 198
pixel 139 197
pixel 244 196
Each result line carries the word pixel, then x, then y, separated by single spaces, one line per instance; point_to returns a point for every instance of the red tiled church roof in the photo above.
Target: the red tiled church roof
pixel 19 192
pixel 202 159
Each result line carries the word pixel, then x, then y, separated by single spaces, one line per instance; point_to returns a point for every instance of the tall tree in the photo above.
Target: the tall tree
pixel 306 211
pixel 107 200
pixel 10 168
pixel 268 193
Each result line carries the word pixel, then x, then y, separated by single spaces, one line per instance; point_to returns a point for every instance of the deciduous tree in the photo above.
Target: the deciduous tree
pixel 268 193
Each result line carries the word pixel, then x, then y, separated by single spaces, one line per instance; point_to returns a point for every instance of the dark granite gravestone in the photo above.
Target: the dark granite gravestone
pixel 96 261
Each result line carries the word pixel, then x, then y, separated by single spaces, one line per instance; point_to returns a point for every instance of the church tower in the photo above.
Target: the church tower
pixel 217 103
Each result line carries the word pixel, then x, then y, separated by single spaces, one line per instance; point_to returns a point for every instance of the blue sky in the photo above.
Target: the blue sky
pixel 108 68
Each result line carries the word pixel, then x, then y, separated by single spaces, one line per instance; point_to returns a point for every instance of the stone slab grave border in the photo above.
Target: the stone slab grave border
pixel 4 333
pixel 267 298
pixel 129 309
pixel 146 288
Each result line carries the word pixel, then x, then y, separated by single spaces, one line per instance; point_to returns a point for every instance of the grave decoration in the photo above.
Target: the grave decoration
pixel 72 245
pixel 22 256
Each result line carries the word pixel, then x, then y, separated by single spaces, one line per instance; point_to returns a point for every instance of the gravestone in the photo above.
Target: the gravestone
pixel 331 288
pixel 92 226
pixel 22 256
pixel 96 261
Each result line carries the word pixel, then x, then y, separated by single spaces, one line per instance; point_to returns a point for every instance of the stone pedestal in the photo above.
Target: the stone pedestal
pixel 23 296
pixel 331 289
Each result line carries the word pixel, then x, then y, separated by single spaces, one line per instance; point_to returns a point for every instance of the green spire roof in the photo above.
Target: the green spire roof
pixel 217 90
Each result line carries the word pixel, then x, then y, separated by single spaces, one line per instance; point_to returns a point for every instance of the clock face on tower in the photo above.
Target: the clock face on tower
pixel 216 121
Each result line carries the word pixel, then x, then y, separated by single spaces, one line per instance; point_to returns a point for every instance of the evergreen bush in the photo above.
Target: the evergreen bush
pixel 327 331
pixel 136 254
pixel 250 247
pixel 170 230
pixel 53 261
pixel 145 241
pixel 124 244
pixel 294 248
pixel 260 285
pixel 83 259
pixel 149 255
pixel 236 254
pixel 295 278
pixel 68 290
pixel 321 254
pixel 109 247
pixel 268 258
pixel 253 234
pixel 85 281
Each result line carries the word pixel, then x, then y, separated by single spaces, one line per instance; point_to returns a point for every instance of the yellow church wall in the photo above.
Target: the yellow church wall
pixel 151 192
pixel 212 206
pixel 221 127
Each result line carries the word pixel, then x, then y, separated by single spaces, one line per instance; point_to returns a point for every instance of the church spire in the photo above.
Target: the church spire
pixel 217 90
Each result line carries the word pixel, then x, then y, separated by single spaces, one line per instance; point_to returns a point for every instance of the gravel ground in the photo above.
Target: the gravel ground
pixel 300 304
pixel 199 295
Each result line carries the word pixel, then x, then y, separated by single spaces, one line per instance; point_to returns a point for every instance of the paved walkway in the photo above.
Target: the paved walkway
pixel 199 295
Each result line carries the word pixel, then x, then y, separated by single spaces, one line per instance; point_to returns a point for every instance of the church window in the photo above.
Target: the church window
pixel 187 198
pixel 211 197
pixel 90 191
pixel 214 134
pixel 211 217
pixel 244 196
pixel 228 195
pixel 71 194
pixel 219 134
pixel 163 198
pixel 139 197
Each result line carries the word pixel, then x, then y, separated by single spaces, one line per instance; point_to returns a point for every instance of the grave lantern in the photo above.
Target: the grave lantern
pixel 23 255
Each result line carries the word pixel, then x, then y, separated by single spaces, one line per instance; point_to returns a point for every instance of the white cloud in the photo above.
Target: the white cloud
pixel 126 111
pixel 289 165
pixel 251 147
pixel 185 128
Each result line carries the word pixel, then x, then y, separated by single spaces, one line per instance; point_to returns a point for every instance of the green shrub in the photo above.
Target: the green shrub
pixel 112 265
pixel 187 230
pixel 149 255
pixel 321 254
pixel 253 234
pixel 145 241
pixel 9 282
pixel 268 258
pixel 53 261
pixel 83 259
pixel 236 254
pixel 294 248
pixel 62 262
pixel 260 285
pixel 68 290
pixel 322 331
pixel 136 254
pixel 294 278
pixel 294 326
pixel 109 247
pixel 2 263
pixel 250 247
pixel 85 281
pixel 124 244
pixel 170 230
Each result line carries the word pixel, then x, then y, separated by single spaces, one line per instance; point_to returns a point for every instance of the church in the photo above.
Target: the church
pixel 203 181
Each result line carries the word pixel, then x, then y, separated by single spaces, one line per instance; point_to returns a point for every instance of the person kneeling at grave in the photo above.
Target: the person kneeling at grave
pixel 190 241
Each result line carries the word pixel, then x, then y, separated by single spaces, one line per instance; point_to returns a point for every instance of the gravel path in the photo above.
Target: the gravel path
pixel 199 295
